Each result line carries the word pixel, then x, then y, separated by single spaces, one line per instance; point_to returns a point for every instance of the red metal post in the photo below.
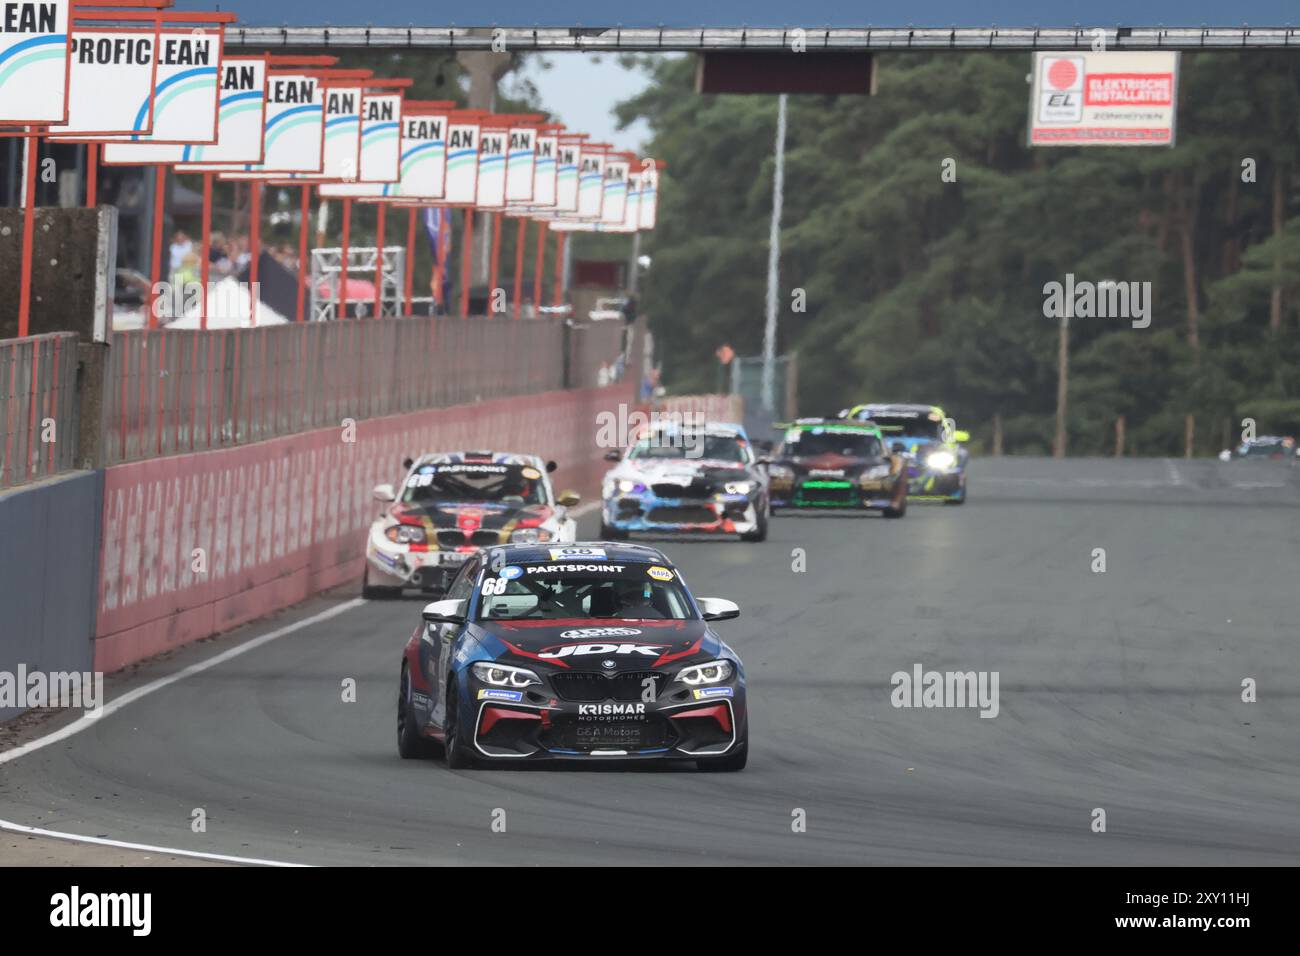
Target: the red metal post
pixel 557 294
pixel 92 175
pixel 254 247
pixel 305 215
pixel 155 266
pixel 29 233
pixel 466 262
pixel 495 268
pixel 541 260
pixel 204 263
pixel 343 259
pixel 410 261
pixel 520 236
pixel 379 259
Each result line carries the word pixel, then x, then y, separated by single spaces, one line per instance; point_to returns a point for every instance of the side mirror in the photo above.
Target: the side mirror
pixel 551 466
pixel 718 609
pixel 613 455
pixel 448 611
pixel 961 436
pixel 385 493
pixel 569 498
pixel 408 462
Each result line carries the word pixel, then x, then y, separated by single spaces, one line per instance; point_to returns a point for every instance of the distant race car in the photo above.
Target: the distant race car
pixel 829 463
pixel 587 652
pixel 1266 447
pixel 929 440
pixel 704 479
pixel 448 506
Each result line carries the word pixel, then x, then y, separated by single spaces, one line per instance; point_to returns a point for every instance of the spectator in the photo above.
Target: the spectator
pixel 180 248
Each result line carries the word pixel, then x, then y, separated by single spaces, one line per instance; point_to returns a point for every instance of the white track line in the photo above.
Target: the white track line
pixel 121 844
pixel 85 722
pixel 88 721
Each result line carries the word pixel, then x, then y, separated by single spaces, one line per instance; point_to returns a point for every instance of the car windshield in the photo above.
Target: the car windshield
pixel 599 590
pixel 802 443
pixel 474 481
pixel 908 426
pixel 688 445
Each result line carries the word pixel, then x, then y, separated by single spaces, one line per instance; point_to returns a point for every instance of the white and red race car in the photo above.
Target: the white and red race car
pixel 451 504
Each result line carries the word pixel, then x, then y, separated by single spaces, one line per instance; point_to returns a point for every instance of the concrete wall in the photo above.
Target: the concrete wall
pixel 283 519
pixel 48 568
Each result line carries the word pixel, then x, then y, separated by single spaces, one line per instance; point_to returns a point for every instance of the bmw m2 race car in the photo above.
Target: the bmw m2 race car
pixel 451 504
pixel 682 478
pixel 587 652
pixel 929 441
pixel 829 463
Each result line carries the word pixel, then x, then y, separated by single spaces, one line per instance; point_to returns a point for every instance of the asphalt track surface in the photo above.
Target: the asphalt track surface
pixel 1118 690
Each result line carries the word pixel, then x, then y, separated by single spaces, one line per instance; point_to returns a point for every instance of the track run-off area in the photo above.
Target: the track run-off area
pixel 1118 690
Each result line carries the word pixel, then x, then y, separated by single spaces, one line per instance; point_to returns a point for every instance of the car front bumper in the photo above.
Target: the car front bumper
pixel 720 514
pixel 516 725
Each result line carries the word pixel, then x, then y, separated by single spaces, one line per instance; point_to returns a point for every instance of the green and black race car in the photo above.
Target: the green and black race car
pixel 830 463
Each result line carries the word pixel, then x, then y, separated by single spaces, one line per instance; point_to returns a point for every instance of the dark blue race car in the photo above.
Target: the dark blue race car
pixel 589 651
pixel 933 447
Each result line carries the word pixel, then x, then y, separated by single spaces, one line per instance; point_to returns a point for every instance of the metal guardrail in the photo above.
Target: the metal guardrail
pixel 736 38
pixel 173 391
pixel 39 410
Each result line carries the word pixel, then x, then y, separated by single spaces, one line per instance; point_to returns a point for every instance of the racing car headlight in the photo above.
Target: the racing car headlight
pixel 503 675
pixel 626 486
pixel 941 461
pixel 529 535
pixel 406 534
pixel 714 672
pixel 738 487
pixel 876 472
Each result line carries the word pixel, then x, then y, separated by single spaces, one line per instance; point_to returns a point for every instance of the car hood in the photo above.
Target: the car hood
pixel 469 516
pixel 588 644
pixel 649 470
pixel 830 465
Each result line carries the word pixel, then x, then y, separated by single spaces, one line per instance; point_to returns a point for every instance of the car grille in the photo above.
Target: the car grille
pixel 696 489
pixel 569 733
pixel 455 538
pixel 590 686
pixel 683 514
pixel 845 496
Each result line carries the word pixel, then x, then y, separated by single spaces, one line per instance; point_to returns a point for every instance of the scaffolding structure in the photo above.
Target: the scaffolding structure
pixel 327 289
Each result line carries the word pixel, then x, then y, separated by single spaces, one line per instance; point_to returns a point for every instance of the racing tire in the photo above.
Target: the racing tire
pixel 410 745
pixel 608 533
pixel 372 592
pixel 760 528
pixel 730 763
pixel 457 757
pixel 898 512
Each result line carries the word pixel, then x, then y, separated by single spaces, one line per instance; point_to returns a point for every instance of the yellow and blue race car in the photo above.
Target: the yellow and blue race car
pixel 930 442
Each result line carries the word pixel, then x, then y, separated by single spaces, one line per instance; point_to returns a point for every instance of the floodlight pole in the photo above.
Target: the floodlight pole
pixel 773 262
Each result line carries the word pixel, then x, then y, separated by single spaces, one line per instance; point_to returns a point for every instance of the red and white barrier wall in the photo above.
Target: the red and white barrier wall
pixel 269 524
